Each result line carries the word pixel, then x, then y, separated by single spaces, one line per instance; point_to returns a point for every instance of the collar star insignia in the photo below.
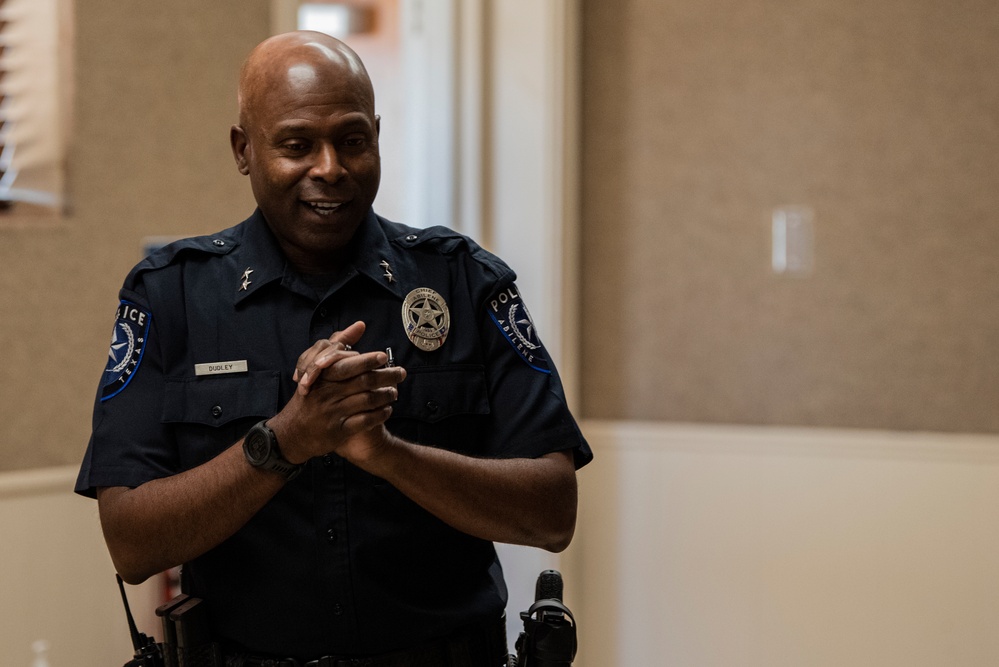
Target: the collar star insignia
pixel 246 279
pixel 388 271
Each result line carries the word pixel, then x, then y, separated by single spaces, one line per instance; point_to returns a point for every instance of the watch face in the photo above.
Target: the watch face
pixel 257 446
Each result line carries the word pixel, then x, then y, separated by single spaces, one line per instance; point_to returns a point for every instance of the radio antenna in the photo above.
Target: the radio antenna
pixel 139 640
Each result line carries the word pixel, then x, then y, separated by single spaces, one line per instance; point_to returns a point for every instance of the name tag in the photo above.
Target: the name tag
pixel 220 367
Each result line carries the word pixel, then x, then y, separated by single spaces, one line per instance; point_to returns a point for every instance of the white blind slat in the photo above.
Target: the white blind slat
pixel 33 133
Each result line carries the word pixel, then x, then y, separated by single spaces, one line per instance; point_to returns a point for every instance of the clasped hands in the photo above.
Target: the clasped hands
pixel 342 401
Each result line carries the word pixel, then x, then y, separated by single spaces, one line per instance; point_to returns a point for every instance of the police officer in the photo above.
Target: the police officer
pixel 328 417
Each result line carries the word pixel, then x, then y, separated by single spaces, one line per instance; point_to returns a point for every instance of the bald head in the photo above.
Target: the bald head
pixel 308 139
pixel 295 63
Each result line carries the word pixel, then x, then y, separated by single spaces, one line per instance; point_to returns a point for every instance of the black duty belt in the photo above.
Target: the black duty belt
pixel 481 646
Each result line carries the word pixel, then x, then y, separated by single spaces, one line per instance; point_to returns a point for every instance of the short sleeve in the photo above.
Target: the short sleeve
pixel 129 444
pixel 529 413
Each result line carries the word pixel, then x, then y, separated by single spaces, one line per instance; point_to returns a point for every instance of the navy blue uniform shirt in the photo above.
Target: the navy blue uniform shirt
pixel 339 561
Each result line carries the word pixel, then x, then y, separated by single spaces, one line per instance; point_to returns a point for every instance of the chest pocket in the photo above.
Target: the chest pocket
pixel 444 407
pixel 210 413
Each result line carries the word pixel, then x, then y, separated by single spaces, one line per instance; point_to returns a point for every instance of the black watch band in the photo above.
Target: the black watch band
pixel 260 447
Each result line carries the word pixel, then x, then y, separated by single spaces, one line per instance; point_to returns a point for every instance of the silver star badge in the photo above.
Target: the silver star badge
pixel 388 271
pixel 246 279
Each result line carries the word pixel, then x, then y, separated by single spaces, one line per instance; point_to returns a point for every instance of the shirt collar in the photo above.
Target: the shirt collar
pixel 375 258
pixel 259 257
pixel 259 254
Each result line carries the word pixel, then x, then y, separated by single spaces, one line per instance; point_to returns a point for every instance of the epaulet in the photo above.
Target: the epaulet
pixel 446 241
pixel 161 256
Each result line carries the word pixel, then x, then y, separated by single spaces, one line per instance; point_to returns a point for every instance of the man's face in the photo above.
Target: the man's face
pixel 310 147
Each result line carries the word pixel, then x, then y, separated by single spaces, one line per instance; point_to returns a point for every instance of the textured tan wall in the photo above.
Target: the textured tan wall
pixel 155 98
pixel 699 119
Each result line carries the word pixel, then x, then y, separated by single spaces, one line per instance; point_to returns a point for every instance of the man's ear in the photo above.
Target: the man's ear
pixel 239 142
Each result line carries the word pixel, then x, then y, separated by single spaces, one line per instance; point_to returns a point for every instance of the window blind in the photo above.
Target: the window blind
pixel 34 49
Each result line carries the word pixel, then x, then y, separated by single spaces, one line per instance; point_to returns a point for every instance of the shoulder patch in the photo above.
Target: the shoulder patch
pixel 128 342
pixel 508 311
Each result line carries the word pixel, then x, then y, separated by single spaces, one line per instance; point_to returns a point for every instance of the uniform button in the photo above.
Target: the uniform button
pixel 433 407
pixel 337 609
pixel 217 411
pixel 218 242
pixel 412 237
pixel 323 312
pixel 331 535
pixel 327 459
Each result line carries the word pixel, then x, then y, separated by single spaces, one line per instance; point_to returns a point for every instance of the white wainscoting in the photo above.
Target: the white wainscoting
pixel 697 546
pixel 727 546
pixel 57 583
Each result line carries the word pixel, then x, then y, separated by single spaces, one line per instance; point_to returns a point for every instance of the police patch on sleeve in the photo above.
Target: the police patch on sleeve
pixel 128 342
pixel 508 312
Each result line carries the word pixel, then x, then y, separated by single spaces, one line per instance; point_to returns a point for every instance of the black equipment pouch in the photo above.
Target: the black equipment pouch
pixel 170 629
pixel 187 629
pixel 549 636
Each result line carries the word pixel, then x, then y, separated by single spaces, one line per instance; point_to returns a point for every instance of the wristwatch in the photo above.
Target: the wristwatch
pixel 261 449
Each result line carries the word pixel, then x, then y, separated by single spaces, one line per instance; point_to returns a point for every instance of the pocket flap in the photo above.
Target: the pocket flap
pixel 215 400
pixel 432 394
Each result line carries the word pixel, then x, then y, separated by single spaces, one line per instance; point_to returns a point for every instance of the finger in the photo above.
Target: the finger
pixel 329 357
pixel 349 377
pixel 313 369
pixel 364 421
pixel 339 400
pixel 308 355
pixel 365 401
pixel 344 366
pixel 307 369
pixel 349 336
pixel 364 410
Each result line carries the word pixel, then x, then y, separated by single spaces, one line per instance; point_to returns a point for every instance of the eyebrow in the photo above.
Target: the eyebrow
pixel 349 121
pixel 293 128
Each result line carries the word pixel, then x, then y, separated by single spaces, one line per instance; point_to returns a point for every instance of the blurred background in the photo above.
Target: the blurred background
pixel 759 238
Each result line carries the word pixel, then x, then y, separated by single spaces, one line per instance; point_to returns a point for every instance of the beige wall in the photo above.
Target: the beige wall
pixel 154 101
pixel 701 118
pixel 696 545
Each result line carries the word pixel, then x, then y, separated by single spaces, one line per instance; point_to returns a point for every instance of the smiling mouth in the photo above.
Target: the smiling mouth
pixel 324 207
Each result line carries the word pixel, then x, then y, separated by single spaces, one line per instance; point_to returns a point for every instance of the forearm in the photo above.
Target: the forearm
pixel 169 521
pixel 519 501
